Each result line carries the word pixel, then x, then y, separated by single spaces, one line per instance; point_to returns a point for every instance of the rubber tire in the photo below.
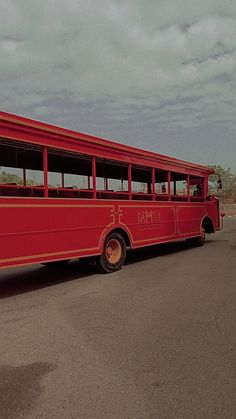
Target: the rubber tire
pixel 198 241
pixel 56 264
pixel 103 264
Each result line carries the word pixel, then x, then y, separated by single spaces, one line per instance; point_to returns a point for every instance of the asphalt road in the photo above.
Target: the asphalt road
pixel 155 340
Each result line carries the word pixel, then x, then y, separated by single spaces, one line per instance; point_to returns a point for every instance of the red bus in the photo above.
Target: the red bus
pixel 82 196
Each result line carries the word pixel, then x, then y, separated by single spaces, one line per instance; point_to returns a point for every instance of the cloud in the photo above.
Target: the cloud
pixel 104 66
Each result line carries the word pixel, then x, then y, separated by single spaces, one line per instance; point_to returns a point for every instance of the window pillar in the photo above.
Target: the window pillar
pixel 94 176
pixel 205 188
pixel 130 180
pixel 175 193
pixel 105 183
pixel 168 179
pixel 188 188
pixel 24 177
pixel 62 180
pixel 45 170
pixel 153 183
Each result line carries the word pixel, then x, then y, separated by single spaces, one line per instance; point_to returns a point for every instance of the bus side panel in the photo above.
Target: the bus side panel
pixel 189 218
pixel 51 229
pixel 214 212
pixel 148 223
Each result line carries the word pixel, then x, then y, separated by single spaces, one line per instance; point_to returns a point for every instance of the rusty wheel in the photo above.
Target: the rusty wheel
pixel 113 255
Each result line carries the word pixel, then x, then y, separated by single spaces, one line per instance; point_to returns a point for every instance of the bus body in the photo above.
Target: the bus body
pixel 124 197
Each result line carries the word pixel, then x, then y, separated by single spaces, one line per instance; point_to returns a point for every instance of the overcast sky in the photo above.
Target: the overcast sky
pixel 157 74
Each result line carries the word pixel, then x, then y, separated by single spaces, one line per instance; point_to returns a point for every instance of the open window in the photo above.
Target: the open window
pixel 21 169
pixel 141 183
pixel 178 186
pixel 69 174
pixel 111 179
pixel 196 186
pixel 161 185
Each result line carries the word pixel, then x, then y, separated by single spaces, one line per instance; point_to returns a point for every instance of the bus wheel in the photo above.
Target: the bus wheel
pixel 200 240
pixel 56 264
pixel 113 255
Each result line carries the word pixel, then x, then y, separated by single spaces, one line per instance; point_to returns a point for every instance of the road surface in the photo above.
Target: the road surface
pixel 154 340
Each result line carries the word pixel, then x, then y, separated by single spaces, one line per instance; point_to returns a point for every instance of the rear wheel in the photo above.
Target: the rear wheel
pixel 113 255
pixel 200 240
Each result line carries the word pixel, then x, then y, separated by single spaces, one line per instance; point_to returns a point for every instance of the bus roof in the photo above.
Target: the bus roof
pixel 14 121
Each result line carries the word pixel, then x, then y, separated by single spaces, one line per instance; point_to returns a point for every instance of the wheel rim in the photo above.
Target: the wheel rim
pixel 113 251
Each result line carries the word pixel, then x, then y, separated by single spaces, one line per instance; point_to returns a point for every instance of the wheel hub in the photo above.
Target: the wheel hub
pixel 113 251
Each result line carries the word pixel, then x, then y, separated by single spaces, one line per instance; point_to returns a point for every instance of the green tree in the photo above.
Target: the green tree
pixel 228 179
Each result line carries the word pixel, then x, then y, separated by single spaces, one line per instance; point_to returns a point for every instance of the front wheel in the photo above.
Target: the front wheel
pixel 113 255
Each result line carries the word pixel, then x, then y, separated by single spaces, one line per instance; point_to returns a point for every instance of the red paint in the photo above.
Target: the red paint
pixel 40 224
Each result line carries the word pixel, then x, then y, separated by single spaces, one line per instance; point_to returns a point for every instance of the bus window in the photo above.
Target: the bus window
pixel 161 184
pixel 196 186
pixel 141 182
pixel 34 177
pixel 22 168
pixel 11 175
pixel 54 180
pixel 111 179
pixel 69 172
pixel 178 186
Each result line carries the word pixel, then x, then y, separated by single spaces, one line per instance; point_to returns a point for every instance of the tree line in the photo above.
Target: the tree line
pixel 228 180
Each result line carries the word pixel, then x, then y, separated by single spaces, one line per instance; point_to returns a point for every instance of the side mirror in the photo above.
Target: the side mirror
pixel 219 184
